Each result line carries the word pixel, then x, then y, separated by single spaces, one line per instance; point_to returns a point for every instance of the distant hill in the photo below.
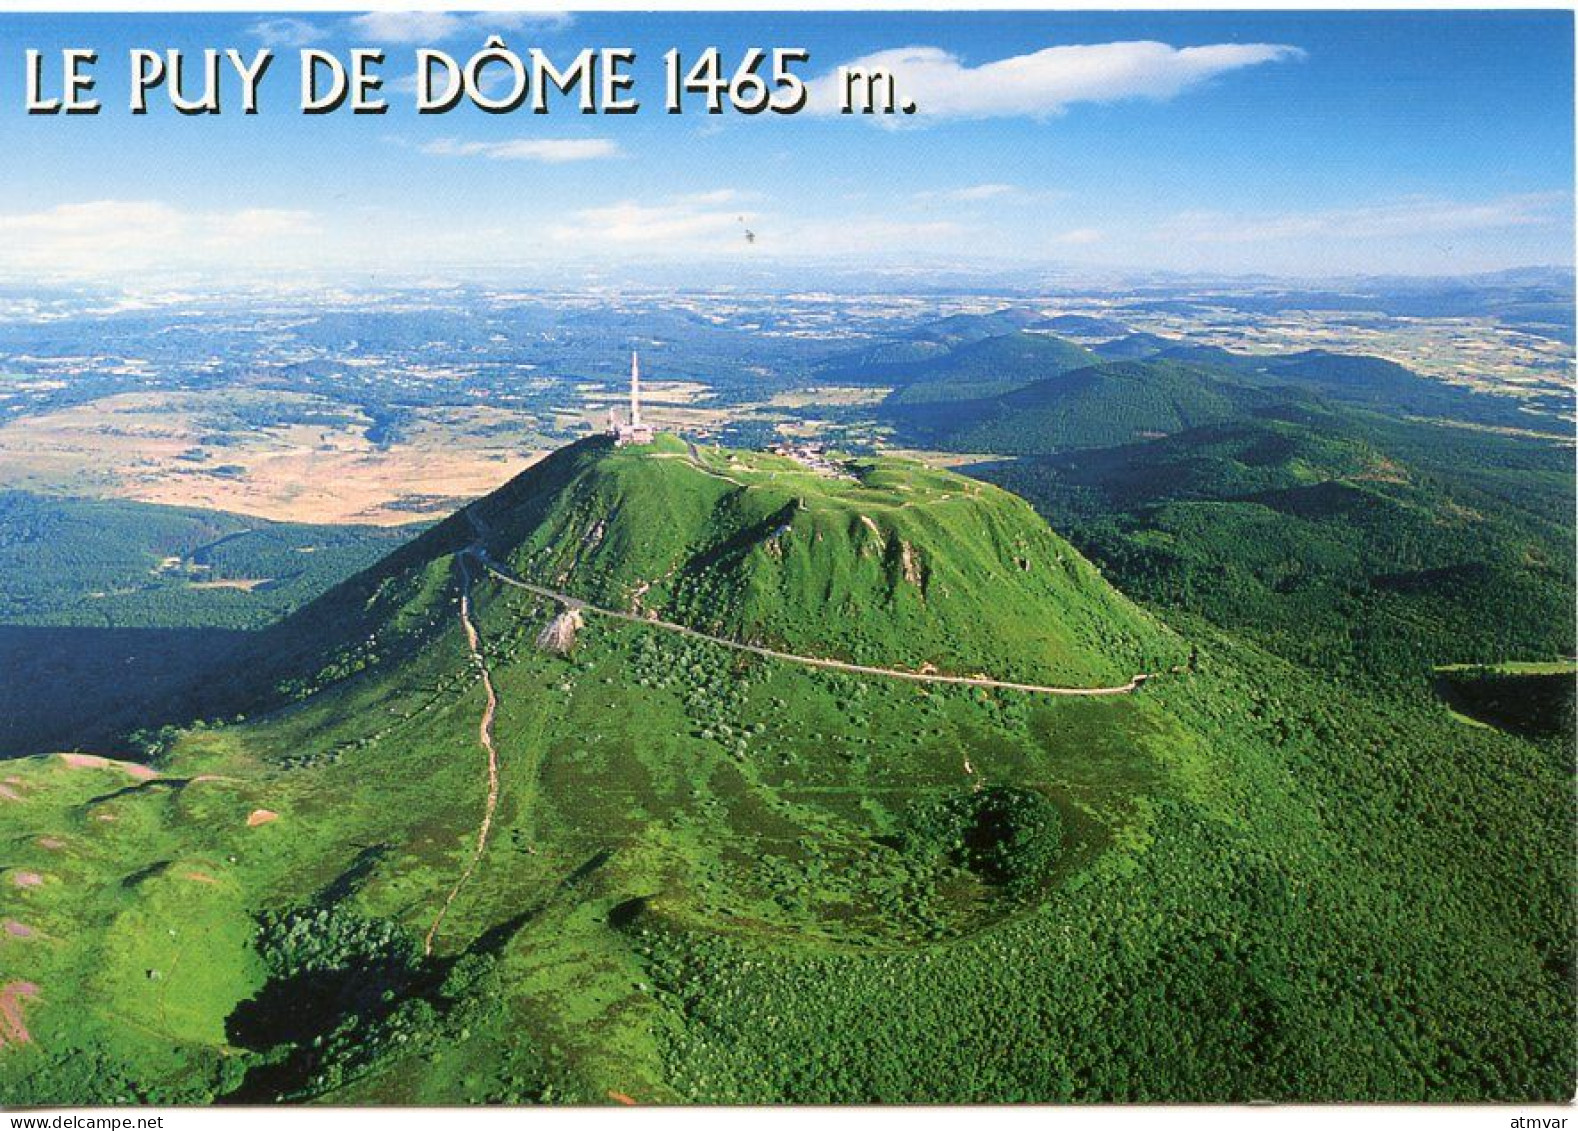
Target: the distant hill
pixel 1385 386
pixel 891 361
pixel 1094 406
pixel 987 368
pixel 1540 301
pixel 982 379
pixel 1357 379
pixel 957 329
pixel 1132 346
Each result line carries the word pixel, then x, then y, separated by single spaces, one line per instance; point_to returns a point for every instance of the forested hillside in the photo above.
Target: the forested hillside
pixel 113 613
pixel 119 564
pixel 1371 549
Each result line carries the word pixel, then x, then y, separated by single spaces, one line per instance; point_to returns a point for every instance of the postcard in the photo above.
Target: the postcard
pixel 813 557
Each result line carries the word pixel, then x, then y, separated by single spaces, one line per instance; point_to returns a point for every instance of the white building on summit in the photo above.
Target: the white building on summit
pixel 634 432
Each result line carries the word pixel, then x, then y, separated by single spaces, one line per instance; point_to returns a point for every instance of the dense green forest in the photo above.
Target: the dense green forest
pixel 1368 549
pixel 1344 909
pixel 118 564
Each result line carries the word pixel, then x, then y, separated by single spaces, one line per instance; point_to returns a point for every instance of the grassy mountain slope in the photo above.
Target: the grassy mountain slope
pixel 715 877
pixel 893 565
pixel 890 564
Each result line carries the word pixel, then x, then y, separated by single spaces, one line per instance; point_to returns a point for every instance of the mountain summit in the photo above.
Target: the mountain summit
pixel 870 560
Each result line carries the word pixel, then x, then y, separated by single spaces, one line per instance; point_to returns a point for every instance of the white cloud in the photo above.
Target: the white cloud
pixel 709 225
pixel 970 194
pixel 1044 83
pixel 1404 218
pixel 408 27
pixel 110 237
pixel 516 21
pixel 547 150
pixel 287 32
pixel 434 27
pixel 677 225
pixel 1079 237
pixel 718 196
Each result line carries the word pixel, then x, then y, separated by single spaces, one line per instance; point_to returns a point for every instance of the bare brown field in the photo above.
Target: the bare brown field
pixel 303 457
pixel 162 448
pixel 832 395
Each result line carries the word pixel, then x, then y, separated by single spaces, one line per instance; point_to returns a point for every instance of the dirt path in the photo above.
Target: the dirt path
pixel 485 739
pixel 14 997
pixel 478 551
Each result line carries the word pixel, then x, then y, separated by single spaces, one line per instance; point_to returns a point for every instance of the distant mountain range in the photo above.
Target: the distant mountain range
pixel 1029 392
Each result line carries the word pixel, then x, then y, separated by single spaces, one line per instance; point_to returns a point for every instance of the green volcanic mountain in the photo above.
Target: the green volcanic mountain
pixel 878 562
pixel 254 912
pixel 672 774
pixel 881 562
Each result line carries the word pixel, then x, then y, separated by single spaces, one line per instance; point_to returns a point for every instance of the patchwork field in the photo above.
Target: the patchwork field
pixel 287 457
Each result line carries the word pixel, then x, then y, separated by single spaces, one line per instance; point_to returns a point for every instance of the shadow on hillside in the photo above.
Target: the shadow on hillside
pixel 87 688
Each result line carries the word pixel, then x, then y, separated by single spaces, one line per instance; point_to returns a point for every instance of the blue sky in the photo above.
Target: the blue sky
pixel 1277 143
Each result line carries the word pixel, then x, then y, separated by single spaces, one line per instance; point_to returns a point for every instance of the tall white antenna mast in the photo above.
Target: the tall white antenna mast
pixel 635 389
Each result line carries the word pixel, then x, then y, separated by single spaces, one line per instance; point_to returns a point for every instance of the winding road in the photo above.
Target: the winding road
pixel 479 551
